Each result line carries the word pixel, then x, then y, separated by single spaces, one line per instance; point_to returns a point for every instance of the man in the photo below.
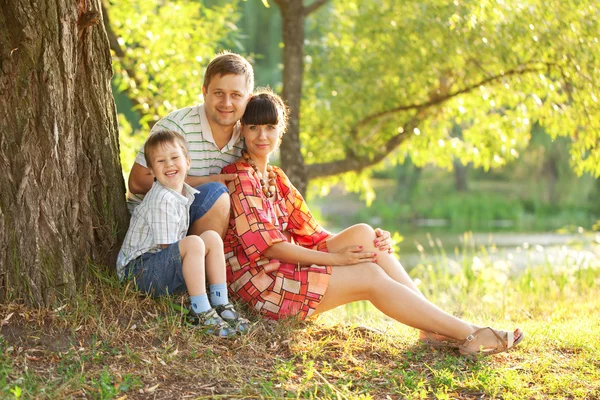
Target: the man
pixel 213 134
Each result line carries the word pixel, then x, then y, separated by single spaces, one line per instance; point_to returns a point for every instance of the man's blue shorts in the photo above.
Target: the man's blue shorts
pixel 158 274
pixel 203 201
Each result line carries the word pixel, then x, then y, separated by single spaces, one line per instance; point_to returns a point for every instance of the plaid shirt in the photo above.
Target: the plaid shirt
pixel 162 218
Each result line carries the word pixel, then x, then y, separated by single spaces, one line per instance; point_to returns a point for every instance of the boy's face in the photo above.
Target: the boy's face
pixel 225 100
pixel 170 166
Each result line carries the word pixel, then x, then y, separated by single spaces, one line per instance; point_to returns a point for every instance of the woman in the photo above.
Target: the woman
pixel 283 263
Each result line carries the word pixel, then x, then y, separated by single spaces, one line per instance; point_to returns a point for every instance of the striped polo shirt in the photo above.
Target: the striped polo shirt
pixel 206 157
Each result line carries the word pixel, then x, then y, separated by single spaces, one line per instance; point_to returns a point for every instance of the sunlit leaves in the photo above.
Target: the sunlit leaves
pixel 167 45
pixel 486 69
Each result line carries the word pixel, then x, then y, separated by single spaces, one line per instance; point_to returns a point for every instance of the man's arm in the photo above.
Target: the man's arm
pixel 195 181
pixel 140 179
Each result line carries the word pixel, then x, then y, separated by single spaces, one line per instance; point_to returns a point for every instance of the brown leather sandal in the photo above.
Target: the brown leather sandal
pixel 504 341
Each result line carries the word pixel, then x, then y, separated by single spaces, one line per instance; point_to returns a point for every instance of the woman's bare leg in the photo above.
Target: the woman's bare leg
pixel 364 235
pixel 368 281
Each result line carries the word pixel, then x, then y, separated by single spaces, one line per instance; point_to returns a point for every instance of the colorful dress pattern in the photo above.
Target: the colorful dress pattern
pixel 274 288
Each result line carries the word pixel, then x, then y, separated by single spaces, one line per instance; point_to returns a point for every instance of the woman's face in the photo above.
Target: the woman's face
pixel 261 140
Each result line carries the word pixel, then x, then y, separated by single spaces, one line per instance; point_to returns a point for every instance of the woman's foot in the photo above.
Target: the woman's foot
pixel 487 341
pixel 438 341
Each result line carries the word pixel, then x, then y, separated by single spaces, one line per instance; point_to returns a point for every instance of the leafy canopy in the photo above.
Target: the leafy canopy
pixel 436 80
pixel 160 51
pixel 166 47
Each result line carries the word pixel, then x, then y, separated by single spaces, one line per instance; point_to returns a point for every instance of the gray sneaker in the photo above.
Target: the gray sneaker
pixel 210 322
pixel 229 315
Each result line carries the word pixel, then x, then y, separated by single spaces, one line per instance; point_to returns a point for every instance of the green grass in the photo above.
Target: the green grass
pixel 110 343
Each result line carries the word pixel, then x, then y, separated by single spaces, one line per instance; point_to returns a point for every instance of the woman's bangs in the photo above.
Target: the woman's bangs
pixel 260 112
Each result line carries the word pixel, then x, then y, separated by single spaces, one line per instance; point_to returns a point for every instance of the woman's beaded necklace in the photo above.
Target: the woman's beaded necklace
pixel 270 190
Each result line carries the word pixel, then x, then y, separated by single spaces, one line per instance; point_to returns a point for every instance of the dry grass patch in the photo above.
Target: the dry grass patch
pixel 111 343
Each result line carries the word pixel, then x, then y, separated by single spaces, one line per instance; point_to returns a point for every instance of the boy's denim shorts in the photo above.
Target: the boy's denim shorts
pixel 158 274
pixel 203 201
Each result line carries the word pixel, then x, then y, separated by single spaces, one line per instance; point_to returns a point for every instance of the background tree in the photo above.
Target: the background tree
pixel 62 199
pixel 293 14
pixel 376 79
pixel 391 78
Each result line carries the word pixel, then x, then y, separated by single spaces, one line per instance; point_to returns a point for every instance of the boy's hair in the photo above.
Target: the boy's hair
pixel 266 108
pixel 161 138
pixel 227 63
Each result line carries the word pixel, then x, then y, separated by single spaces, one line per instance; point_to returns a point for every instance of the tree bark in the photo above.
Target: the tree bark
pixel 460 176
pixel 551 172
pixel 292 161
pixel 62 203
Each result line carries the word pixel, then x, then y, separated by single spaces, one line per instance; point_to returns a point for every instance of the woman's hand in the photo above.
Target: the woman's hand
pixel 383 241
pixel 352 255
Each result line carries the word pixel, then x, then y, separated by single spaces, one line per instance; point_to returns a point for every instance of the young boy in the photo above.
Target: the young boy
pixel 156 252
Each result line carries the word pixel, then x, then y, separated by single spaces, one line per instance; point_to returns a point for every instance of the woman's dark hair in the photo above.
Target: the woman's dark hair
pixel 266 108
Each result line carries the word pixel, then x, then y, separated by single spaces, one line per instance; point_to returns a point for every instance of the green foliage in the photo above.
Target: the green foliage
pixel 260 38
pixel 387 68
pixel 471 209
pixel 167 45
pixel 130 144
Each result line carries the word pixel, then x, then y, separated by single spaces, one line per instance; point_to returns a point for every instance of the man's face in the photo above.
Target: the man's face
pixel 225 100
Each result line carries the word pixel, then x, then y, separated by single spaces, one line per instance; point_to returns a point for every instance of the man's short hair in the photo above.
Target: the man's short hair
pixel 227 63
pixel 162 138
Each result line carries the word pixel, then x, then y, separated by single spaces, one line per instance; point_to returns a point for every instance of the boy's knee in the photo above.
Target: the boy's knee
pixel 211 239
pixel 191 244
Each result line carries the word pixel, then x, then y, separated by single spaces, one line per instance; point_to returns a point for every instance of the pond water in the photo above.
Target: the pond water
pixel 427 241
pixel 522 249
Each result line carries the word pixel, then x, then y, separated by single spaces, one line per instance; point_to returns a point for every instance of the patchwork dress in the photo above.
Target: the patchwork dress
pixel 276 289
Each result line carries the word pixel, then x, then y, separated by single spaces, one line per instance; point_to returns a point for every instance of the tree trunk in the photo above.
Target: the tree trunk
pixel 62 201
pixel 551 173
pixel 292 161
pixel 460 176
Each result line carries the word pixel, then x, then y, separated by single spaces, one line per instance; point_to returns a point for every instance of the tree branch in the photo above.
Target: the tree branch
pixel 112 37
pixel 280 3
pixel 116 47
pixel 354 163
pixel 442 99
pixel 314 6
